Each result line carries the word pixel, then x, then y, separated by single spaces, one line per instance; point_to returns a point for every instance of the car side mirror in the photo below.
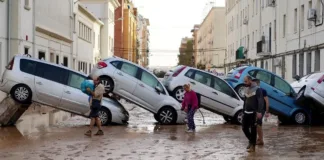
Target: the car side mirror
pixel 158 89
pixel 297 77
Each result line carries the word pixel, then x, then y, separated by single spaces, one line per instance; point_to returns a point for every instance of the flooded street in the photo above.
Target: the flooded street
pixel 142 138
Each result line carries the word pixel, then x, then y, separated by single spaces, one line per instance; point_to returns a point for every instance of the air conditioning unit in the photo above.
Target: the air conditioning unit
pixel 245 21
pixel 311 16
pixel 271 3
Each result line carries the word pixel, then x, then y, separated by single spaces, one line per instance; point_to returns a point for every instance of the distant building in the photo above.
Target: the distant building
pixel 143 34
pixel 183 44
pixel 195 42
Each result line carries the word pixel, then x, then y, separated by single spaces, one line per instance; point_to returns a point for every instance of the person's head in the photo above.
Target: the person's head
pixel 186 87
pixel 248 81
pixel 96 80
pixel 257 81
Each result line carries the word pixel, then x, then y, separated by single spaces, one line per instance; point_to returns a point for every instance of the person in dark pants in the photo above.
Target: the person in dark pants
pixel 190 105
pixel 253 106
pixel 265 112
pixel 95 103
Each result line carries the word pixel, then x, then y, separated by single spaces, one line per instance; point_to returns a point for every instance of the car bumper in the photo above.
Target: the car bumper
pixel 181 117
pixel 6 85
pixel 309 93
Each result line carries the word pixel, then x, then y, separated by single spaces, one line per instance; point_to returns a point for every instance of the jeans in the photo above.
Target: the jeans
pixel 191 122
pixel 249 127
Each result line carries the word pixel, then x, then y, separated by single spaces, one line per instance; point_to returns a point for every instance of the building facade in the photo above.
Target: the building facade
pixel 87 39
pixel 211 37
pixel 130 33
pixel 195 42
pixel 37 33
pixel 104 10
pixel 143 40
pixel 280 36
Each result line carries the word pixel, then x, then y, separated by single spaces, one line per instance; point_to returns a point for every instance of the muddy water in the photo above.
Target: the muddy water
pixel 144 139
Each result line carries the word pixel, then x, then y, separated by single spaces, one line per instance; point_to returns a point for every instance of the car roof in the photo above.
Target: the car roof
pixel 50 63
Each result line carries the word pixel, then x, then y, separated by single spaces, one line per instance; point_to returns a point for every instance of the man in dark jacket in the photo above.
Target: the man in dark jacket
pixel 253 106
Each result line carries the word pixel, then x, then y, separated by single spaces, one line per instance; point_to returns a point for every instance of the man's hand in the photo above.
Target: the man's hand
pixel 259 115
pixel 88 90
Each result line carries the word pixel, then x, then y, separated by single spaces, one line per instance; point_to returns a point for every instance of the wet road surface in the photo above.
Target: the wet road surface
pixel 142 138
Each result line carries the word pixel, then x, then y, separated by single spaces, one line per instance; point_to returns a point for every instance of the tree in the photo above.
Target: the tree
pixel 201 66
pixel 159 74
pixel 186 57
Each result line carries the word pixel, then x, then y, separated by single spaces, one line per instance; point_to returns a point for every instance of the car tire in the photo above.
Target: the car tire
pixel 105 116
pixel 300 99
pixel 240 90
pixel 108 83
pixel 300 118
pixel 178 94
pixel 238 118
pixel 167 115
pixel 227 118
pixel 21 93
pixel 156 117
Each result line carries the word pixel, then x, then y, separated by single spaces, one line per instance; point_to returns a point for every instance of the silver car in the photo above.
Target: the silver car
pixel 27 79
pixel 141 87
pixel 216 95
pixel 311 87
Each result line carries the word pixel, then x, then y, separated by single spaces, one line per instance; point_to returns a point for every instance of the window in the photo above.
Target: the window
pixel 51 73
pixel 57 59
pixel 90 65
pixel 189 73
pixel 149 79
pixel 115 63
pixel 252 72
pixel 264 77
pixel 65 61
pixel 284 26
pixel 203 78
pixel 301 64
pixel 302 17
pixel 27 66
pixel 222 86
pixel 26 49
pixel 282 85
pixel 317 60
pixel 294 67
pixel 309 62
pixel 85 32
pixel 310 6
pixel 129 69
pixel 41 55
pixel 52 57
pixel 75 80
pixel 274 30
pixel 295 21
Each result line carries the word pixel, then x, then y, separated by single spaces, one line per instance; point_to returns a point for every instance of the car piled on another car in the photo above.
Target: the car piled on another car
pixel 216 95
pixel 281 94
pixel 28 79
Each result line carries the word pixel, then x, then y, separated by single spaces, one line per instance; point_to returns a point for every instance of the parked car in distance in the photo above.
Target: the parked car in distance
pixel 139 86
pixel 216 95
pixel 310 87
pixel 281 94
pixel 28 79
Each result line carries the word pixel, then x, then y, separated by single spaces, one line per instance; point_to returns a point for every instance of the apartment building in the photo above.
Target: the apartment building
pixel 212 40
pixel 283 36
pixel 194 32
pixel 143 40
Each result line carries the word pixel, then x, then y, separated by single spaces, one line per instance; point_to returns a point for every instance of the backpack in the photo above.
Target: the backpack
pixel 87 84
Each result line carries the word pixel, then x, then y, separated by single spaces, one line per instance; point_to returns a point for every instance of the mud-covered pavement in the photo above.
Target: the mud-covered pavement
pixel 143 139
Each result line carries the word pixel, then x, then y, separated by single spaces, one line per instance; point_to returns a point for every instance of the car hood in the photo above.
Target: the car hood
pixel 113 103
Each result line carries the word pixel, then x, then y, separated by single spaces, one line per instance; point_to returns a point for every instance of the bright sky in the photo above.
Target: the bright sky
pixel 170 20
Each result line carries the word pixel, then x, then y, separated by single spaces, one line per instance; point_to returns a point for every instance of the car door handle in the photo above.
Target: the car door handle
pixel 192 82
pixel 215 93
pixel 141 85
pixel 39 83
pixel 120 74
pixel 67 92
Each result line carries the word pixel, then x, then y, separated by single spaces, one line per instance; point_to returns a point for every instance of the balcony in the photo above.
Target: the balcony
pixel 240 54
pixel 264 48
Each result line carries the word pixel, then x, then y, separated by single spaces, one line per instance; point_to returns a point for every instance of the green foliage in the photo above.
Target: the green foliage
pixel 159 74
pixel 201 66
pixel 186 57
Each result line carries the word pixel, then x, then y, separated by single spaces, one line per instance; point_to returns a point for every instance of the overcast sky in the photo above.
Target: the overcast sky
pixel 170 21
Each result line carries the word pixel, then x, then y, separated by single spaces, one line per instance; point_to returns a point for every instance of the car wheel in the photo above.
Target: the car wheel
pixel 300 118
pixel 156 117
pixel 21 93
pixel 227 118
pixel 238 118
pixel 300 99
pixel 167 115
pixel 105 116
pixel 240 90
pixel 108 83
pixel 178 94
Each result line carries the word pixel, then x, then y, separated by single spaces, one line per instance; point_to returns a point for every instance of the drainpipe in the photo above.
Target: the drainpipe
pixel 34 28
pixel 8 34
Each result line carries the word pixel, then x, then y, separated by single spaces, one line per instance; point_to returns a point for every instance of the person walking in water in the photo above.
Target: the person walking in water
pixel 265 112
pixel 190 105
pixel 97 95
pixel 252 108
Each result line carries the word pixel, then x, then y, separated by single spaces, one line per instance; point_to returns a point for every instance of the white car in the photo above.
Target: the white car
pixel 28 79
pixel 310 86
pixel 139 86
pixel 216 95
